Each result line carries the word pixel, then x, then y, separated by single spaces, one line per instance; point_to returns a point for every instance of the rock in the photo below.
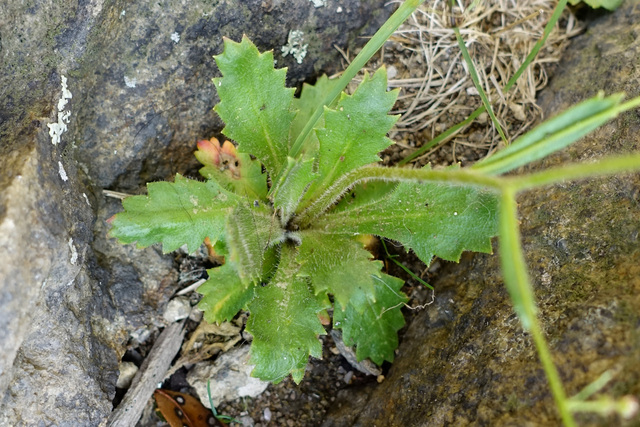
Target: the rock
pixel 230 376
pixel 365 366
pixel 94 94
pixel 178 308
pixel 465 360
pixel 127 371
pixel 148 94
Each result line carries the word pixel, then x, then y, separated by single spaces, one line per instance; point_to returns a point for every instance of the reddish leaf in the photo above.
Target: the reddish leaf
pixel 181 410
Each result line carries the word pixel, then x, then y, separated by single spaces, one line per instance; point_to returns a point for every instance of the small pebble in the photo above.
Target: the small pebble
pixel 177 309
pixel 247 421
pixel 266 414
pixel 392 72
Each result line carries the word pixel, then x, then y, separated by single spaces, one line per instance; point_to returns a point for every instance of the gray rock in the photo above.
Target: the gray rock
pixel 229 375
pixel 95 94
pixel 148 95
pixel 178 308
pixel 465 359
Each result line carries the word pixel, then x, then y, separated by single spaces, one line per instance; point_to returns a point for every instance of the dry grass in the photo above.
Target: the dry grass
pixel 423 60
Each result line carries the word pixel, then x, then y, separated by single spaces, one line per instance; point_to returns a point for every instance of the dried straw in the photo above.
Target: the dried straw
pixel 424 60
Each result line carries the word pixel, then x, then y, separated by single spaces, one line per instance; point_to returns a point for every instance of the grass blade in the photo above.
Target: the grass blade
pixel 553 135
pixel 478 85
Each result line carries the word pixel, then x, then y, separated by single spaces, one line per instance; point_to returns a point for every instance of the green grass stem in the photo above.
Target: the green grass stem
pixel 476 81
pixel 516 279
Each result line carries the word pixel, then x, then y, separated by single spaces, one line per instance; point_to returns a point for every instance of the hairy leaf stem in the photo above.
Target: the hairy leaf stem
pixel 607 166
pixel 376 173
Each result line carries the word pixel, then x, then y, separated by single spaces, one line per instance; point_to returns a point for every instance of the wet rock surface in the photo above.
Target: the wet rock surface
pixel 98 95
pixel 465 360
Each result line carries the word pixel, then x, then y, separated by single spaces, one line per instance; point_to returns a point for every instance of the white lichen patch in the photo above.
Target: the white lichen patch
pixel 62 172
pixel 295 47
pixel 318 3
pixel 130 81
pixel 74 252
pixel 57 129
pixel 175 37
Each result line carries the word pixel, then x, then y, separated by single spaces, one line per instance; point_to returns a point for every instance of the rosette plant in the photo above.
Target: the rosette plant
pixel 287 203
pixel 289 226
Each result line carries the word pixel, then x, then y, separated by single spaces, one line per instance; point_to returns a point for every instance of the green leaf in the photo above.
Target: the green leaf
pixel 607 4
pixel 355 131
pixel 233 170
pixel 310 97
pixel 364 193
pixel 254 103
pixel 284 323
pixel 429 218
pixel 338 265
pixel 298 174
pixel 373 45
pixel 251 231
pixel 174 214
pixel 224 294
pixel 373 328
pixel 552 135
pixel 291 186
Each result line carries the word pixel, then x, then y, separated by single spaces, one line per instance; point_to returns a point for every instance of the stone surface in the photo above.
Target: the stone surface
pixel 98 94
pixel 465 359
pixel 229 376
pixel 148 94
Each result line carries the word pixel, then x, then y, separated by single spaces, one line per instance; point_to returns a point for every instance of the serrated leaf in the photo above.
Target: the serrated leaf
pixel 251 231
pixel 174 214
pixel 373 328
pixel 254 103
pixel 338 265
pixel 224 294
pixel 291 186
pixel 311 97
pixel 284 324
pixel 355 131
pixel 233 170
pixel 432 219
